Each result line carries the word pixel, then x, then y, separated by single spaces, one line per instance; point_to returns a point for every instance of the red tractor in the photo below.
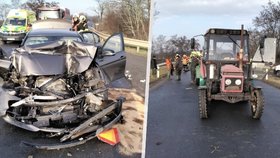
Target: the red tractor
pixel 225 71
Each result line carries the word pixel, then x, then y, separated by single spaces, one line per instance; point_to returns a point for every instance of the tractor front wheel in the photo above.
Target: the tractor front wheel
pixel 257 104
pixel 203 104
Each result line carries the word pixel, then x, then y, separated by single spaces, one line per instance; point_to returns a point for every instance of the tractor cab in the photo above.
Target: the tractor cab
pixel 224 45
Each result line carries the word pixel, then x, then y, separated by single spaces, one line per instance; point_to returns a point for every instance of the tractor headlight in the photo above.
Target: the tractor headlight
pixel 228 82
pixel 238 82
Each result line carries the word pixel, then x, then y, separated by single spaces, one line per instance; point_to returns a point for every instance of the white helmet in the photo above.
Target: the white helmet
pixel 82 18
pixel 76 15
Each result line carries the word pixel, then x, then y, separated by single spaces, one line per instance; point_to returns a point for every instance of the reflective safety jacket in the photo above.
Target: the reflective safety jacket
pixel 195 56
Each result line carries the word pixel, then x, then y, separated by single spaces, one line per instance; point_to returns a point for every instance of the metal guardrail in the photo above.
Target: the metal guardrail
pixel 161 70
pixel 128 41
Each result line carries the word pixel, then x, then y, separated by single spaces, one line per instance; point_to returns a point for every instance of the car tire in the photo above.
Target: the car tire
pixel 203 111
pixel 257 104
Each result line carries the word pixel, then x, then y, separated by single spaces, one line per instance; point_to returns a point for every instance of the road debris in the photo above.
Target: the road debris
pixel 131 129
pixel 143 81
pixel 69 154
pixel 215 148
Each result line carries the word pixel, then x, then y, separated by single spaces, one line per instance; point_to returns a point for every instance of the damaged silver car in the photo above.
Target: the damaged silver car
pixel 60 85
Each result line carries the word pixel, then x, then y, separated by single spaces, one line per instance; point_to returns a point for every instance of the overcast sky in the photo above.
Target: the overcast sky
pixel 193 17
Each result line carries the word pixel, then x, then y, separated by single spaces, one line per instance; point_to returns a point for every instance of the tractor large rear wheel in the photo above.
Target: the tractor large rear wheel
pixel 257 104
pixel 203 104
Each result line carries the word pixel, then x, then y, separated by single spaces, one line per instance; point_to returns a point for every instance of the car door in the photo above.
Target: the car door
pixel 112 58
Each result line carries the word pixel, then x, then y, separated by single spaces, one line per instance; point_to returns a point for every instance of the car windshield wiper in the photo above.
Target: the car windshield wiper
pixel 233 40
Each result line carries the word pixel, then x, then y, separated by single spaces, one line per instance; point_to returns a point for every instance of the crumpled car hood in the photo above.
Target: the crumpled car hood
pixel 53 58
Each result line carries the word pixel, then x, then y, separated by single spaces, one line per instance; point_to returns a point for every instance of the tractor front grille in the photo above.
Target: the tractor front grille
pixel 232 83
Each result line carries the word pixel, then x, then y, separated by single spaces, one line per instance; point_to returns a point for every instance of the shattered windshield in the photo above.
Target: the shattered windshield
pixel 15 21
pixel 47 39
pixel 226 47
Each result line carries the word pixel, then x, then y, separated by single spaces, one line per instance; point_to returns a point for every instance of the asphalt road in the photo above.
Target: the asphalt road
pixel 11 137
pixel 175 129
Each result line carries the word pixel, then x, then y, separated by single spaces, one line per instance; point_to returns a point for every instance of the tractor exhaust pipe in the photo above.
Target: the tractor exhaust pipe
pixel 241 48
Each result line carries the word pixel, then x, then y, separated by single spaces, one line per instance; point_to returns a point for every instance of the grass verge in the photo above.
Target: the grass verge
pixel 133 50
pixel 273 81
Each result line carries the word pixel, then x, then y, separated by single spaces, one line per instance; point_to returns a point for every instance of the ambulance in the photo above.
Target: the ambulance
pixel 17 24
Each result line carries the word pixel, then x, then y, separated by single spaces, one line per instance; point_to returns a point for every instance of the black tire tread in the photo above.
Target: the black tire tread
pixel 203 113
pixel 260 105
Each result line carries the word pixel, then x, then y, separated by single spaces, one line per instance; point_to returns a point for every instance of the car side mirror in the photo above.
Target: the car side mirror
pixel 108 52
pixel 192 43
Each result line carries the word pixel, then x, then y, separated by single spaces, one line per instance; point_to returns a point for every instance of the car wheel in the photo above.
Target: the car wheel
pixel 257 104
pixel 203 112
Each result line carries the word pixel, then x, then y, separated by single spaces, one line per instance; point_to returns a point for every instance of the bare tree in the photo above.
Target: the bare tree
pixel 35 4
pixel 129 16
pixel 159 44
pixel 100 9
pixel 135 17
pixel 182 43
pixel 16 4
pixel 169 47
pixel 4 9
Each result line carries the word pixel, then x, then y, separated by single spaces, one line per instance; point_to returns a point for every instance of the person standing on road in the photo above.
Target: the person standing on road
pixel 154 65
pixel 195 57
pixel 185 61
pixel 178 66
pixel 169 67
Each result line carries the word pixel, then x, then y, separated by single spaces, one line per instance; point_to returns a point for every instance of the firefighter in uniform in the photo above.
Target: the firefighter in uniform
pixel 82 23
pixel 75 22
pixel 194 57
